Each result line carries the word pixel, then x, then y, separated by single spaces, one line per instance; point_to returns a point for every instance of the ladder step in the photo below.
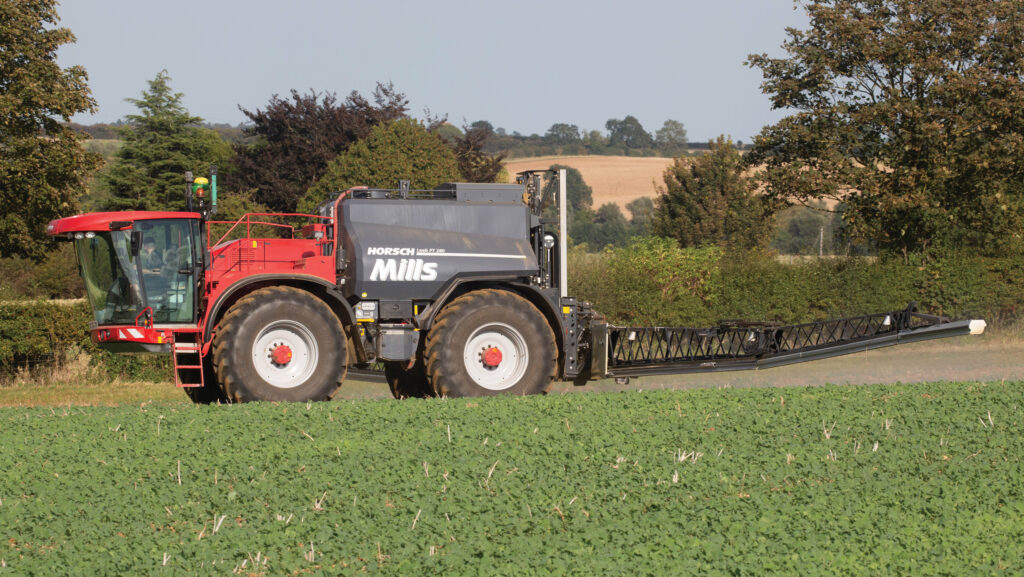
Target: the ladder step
pixel 188 364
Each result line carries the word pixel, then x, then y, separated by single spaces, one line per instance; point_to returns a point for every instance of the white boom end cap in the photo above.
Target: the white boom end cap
pixel 977 326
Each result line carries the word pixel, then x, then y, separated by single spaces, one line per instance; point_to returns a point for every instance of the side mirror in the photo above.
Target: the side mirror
pixel 136 242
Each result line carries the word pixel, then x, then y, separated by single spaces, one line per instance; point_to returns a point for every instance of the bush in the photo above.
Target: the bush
pixel 55 276
pixel 653 282
pixel 41 334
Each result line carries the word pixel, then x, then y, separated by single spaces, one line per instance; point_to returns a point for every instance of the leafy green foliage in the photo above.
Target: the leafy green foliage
pixel 651 282
pixel 606 226
pixel 578 194
pixel 623 285
pixel 881 479
pixel 804 230
pixel 562 133
pixel 671 137
pixel 43 166
pixel 708 200
pixel 628 132
pixel 161 142
pixel 42 333
pixel 641 212
pixel 400 150
pixel 55 276
pixel 475 165
pixel 296 138
pixel 908 111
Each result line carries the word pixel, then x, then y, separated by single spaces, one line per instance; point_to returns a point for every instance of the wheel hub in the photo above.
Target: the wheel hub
pixel 285 353
pixel 282 354
pixel 496 356
pixel 492 357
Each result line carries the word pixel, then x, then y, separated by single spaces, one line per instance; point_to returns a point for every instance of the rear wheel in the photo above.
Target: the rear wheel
pixel 280 344
pixel 490 342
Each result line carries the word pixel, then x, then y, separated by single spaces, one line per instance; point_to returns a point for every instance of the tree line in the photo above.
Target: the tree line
pixel 905 135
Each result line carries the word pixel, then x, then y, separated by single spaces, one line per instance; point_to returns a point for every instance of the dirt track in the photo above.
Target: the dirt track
pixel 960 359
pixel 984 358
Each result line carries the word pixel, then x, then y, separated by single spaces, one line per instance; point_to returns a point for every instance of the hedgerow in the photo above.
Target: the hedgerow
pixel 41 333
pixel 654 282
pixel 872 480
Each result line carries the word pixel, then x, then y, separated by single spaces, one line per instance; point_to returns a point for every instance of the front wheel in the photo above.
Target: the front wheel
pixel 490 342
pixel 211 392
pixel 280 344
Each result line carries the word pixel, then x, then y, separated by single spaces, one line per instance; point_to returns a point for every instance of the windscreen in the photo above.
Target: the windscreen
pixel 110 276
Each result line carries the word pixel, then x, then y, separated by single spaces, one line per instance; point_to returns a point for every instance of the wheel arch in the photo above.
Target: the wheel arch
pixel 526 291
pixel 316 286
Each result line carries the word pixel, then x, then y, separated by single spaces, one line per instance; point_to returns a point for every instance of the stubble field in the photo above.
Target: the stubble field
pixel 615 179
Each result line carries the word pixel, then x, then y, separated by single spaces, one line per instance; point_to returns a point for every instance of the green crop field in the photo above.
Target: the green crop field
pixel 835 480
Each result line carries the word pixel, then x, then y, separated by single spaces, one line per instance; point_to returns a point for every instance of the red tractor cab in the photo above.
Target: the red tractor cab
pixel 142 272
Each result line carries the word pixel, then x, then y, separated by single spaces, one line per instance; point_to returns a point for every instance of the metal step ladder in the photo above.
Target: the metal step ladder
pixel 188 362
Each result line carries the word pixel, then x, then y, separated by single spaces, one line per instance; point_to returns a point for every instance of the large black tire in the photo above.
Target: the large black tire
pixel 211 391
pixel 408 383
pixel 460 346
pixel 280 344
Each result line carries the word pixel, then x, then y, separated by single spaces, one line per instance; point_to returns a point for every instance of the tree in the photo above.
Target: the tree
pixel 605 227
pixel 641 212
pixel 446 130
pixel 804 230
pixel 484 126
pixel 400 150
pixel 297 137
pixel 561 133
pixel 43 167
pixel 578 194
pixel 909 112
pixel 595 142
pixel 475 165
pixel 628 132
pixel 709 201
pixel 671 137
pixel 160 144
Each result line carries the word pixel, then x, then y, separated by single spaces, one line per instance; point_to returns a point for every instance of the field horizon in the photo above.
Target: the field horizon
pixel 615 179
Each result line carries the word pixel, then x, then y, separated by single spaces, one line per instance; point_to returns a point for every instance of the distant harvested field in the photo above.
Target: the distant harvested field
pixel 617 179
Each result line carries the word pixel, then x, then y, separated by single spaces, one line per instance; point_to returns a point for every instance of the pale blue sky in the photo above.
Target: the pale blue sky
pixel 521 65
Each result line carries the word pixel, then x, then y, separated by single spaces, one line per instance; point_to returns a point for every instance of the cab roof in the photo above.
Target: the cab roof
pixel 100 221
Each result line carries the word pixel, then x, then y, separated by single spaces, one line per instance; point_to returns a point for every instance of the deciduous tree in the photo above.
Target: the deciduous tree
pixel 297 137
pixel 628 132
pixel 475 165
pixel 707 200
pixel 562 133
pixel 43 167
pixel 671 137
pixel 399 150
pixel 578 194
pixel 641 212
pixel 909 111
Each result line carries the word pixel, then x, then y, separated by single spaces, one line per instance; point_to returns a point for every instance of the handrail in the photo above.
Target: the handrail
pixel 249 222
